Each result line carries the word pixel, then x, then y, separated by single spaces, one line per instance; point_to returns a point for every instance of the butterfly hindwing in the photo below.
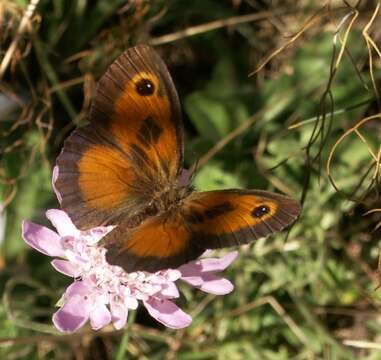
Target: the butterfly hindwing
pixel 234 217
pixel 205 220
pixel 160 242
pixel 131 149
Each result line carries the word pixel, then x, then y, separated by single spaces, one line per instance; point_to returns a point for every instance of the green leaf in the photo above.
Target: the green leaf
pixel 212 177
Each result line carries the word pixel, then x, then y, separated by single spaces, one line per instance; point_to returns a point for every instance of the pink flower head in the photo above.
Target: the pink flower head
pixel 104 293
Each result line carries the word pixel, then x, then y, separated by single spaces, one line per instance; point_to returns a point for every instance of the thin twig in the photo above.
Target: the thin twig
pixel 353 129
pixel 214 25
pixel 362 344
pixel 336 112
pixel 346 34
pixel 309 23
pixel 25 21
pixel 371 44
pixel 226 140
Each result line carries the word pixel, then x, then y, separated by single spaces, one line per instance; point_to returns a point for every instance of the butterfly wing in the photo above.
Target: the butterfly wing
pixel 131 150
pixel 206 220
pixel 235 217
pixel 160 242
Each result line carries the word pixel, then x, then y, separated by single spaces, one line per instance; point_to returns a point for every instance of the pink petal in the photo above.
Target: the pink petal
pixel 42 239
pixel 73 314
pixel 98 233
pixel 66 267
pixel 194 268
pixel 54 179
pixel 119 314
pixel 99 316
pixel 131 302
pixel 207 253
pixel 167 313
pixel 82 288
pixel 170 291
pixel 211 283
pixel 195 281
pixel 62 222
pixel 170 274
pixel 219 264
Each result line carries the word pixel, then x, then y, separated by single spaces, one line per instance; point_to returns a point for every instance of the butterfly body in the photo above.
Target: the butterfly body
pixel 167 204
pixel 125 169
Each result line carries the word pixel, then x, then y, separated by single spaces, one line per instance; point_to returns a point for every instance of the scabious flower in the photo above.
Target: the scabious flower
pixel 104 293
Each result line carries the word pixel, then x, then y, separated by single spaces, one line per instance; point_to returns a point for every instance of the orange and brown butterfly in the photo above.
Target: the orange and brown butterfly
pixel 125 169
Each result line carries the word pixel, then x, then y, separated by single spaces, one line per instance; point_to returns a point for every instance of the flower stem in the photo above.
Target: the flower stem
pixel 120 355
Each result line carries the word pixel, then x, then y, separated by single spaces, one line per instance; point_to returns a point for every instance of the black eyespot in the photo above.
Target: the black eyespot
pixel 259 211
pixel 145 87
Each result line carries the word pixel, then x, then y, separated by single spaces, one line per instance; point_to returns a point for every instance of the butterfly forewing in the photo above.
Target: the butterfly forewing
pixel 131 150
pixel 138 103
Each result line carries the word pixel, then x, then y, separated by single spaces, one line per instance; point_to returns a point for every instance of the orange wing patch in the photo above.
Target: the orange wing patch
pixel 101 164
pixel 159 238
pixel 142 118
pixel 233 217
pixel 158 243
pixel 131 108
pixel 137 103
pixel 237 211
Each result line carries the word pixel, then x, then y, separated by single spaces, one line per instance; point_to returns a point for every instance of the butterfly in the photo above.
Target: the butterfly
pixel 126 169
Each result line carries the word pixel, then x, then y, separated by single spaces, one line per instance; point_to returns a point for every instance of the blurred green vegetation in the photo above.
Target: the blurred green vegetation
pixel 306 294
